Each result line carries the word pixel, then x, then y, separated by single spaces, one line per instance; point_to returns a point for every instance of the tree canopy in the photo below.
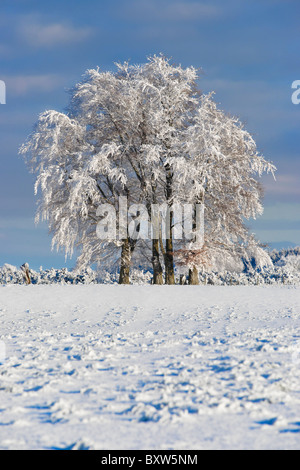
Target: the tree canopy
pixel 147 134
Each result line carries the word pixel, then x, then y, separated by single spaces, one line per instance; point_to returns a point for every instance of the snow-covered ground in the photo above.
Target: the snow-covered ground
pixel 149 367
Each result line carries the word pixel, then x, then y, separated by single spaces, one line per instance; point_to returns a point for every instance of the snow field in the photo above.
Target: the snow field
pixel 149 367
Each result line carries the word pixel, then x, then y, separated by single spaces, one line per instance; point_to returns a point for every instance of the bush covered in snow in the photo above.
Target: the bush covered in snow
pixel 12 275
pixel 285 270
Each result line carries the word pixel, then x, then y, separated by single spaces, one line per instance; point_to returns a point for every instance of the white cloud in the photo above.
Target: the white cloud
pixel 171 11
pixel 19 223
pixel 21 85
pixel 288 212
pixel 39 34
pixel 189 11
pixel 276 236
pixel 285 185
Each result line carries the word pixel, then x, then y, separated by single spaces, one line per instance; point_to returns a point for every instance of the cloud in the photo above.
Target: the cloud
pixel 19 223
pixel 37 34
pixel 277 236
pixel 21 85
pixel 285 185
pixel 171 11
pixel 189 11
pixel 287 212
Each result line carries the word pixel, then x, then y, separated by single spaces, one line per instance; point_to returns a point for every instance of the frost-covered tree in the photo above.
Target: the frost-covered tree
pixel 118 138
pixel 167 98
pixel 80 161
pixel 146 134
pixel 224 163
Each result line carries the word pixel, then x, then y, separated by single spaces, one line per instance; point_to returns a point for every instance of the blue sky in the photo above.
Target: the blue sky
pixel 248 51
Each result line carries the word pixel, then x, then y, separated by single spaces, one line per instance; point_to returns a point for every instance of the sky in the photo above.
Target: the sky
pixel 247 51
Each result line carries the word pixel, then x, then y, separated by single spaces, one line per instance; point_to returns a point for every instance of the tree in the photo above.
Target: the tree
pixel 145 134
pixel 224 162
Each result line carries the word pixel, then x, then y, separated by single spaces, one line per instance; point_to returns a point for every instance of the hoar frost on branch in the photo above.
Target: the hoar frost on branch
pixel 145 133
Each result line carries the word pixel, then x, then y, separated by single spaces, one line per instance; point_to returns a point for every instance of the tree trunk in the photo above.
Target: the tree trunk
pixel 157 269
pixel 169 256
pixel 193 276
pixel 169 262
pixel 25 269
pixel 156 264
pixel 193 273
pixel 125 263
